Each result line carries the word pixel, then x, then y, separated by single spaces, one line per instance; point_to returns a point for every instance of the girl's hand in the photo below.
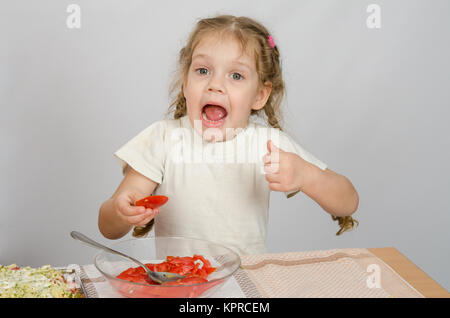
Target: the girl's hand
pixel 131 214
pixel 285 171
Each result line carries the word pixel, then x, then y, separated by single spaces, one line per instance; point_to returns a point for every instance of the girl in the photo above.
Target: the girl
pixel 216 166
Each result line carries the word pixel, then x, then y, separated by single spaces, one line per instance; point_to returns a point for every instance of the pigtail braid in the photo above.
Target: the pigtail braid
pixel 272 119
pixel 180 104
pixel 141 231
pixel 345 222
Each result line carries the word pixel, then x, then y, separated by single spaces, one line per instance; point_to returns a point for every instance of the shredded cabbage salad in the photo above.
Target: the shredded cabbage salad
pixel 41 282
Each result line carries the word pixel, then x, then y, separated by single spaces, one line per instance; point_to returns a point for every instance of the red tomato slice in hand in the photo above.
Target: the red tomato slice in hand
pixel 152 202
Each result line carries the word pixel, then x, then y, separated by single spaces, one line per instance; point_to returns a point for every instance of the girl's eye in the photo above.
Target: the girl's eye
pixel 204 71
pixel 201 69
pixel 238 77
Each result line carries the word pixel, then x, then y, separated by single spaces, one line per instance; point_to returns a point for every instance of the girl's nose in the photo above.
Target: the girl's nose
pixel 216 84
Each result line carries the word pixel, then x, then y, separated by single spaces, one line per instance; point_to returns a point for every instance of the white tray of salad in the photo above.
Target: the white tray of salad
pixel 41 282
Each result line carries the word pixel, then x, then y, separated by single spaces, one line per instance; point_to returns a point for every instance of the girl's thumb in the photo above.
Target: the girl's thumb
pixel 136 195
pixel 271 147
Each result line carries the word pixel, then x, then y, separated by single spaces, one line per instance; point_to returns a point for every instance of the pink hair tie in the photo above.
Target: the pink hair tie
pixel 271 41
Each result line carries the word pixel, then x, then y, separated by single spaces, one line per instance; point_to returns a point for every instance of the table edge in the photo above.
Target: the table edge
pixel 412 273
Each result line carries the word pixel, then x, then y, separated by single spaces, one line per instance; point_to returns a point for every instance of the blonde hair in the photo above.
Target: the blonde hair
pixel 252 37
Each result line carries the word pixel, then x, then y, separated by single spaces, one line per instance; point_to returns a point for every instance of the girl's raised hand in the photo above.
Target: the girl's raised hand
pixel 285 171
pixel 131 214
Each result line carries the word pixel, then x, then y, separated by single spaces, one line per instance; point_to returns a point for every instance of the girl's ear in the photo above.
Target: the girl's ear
pixel 263 96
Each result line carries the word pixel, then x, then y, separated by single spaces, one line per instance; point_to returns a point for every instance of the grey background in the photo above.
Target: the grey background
pixel 371 103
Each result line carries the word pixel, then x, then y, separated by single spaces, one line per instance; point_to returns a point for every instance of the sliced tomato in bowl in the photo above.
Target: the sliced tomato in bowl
pixel 193 285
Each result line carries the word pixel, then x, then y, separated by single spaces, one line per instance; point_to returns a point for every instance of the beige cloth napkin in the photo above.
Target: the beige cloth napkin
pixel 329 273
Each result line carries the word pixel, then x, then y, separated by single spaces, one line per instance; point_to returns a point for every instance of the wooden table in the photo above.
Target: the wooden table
pixel 410 272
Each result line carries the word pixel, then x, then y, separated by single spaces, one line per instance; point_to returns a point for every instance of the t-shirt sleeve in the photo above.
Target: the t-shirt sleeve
pixel 146 152
pixel 288 144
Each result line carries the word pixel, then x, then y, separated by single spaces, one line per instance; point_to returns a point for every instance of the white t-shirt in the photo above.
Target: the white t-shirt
pixel 217 191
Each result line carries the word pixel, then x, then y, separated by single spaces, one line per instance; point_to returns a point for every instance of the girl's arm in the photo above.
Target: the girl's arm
pixel 286 171
pixel 112 221
pixel 332 191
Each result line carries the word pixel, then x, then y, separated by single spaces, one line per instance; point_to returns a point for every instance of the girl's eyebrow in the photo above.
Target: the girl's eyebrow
pixel 233 62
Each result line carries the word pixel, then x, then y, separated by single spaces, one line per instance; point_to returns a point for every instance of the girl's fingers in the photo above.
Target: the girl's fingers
pixel 144 222
pixel 143 218
pixel 274 186
pixel 271 168
pixel 272 177
pixel 130 210
pixel 134 215
pixel 271 158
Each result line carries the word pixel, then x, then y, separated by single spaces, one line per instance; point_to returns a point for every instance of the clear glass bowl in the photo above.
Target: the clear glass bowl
pixel 155 250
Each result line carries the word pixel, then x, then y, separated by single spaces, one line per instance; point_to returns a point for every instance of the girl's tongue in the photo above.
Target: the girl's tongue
pixel 214 112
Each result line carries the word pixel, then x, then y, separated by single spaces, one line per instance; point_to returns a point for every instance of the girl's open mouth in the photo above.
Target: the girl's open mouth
pixel 213 115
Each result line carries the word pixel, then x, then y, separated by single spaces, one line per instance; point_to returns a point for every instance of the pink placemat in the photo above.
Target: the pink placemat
pixel 330 273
